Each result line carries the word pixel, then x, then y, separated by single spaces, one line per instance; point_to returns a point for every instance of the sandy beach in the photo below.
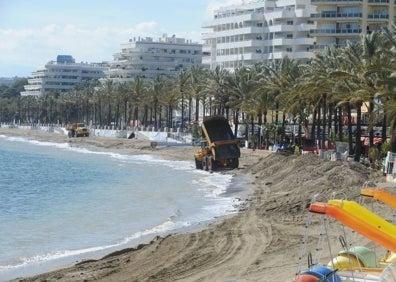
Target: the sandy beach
pixel 260 243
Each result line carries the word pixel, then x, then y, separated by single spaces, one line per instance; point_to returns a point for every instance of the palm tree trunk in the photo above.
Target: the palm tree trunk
pixel 189 109
pixel 340 125
pixel 196 109
pixel 329 120
pixel 145 115
pixel 125 113
pixel 371 118
pixel 350 141
pixel 276 113
pixel 155 113
pixel 324 121
pixel 383 131
pixel 358 133
pixel 393 140
pixel 283 126
pixel 313 128
pixel 260 123
pixel 236 122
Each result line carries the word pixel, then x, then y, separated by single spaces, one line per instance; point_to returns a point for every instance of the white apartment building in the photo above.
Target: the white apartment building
pixel 61 75
pixel 263 30
pixel 341 21
pixel 144 57
pixel 259 31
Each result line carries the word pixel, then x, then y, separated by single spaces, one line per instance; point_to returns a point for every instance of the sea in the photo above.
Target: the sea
pixel 61 204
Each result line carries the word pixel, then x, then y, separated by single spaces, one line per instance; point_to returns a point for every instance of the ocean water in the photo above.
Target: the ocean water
pixel 61 204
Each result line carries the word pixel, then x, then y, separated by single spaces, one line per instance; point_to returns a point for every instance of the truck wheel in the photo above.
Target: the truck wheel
pixel 205 163
pixel 214 164
pixel 233 163
pixel 198 164
pixel 211 165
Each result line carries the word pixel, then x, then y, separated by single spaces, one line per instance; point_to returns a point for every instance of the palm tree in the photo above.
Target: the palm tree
pixel 138 92
pixel 215 90
pixel 390 110
pixel 170 99
pixel 361 68
pixel 156 88
pixel 278 80
pixel 107 92
pixel 240 85
pixel 375 67
pixel 320 90
pixel 182 81
pixel 196 85
pixel 387 85
pixel 124 95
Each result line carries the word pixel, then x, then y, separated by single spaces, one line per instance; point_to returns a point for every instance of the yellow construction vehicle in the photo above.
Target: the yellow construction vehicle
pixel 77 130
pixel 219 147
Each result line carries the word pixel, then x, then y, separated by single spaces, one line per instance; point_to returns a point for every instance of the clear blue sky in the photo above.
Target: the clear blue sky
pixel 33 32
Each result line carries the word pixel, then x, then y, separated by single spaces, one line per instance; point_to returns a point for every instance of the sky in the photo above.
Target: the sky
pixel 33 32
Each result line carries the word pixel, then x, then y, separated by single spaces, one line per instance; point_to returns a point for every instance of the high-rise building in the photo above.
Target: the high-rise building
pixel 341 21
pixel 144 57
pixel 61 76
pixel 259 31
pixel 264 30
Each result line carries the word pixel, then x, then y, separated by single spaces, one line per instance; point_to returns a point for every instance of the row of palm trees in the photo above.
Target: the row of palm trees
pixel 321 98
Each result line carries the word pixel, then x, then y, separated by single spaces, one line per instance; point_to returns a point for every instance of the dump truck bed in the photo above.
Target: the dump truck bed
pixel 220 137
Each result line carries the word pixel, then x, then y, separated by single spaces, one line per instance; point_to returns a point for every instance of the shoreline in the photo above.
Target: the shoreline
pixel 261 243
pixel 242 198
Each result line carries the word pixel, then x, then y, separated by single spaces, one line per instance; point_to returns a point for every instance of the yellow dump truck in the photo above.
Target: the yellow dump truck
pixel 219 147
pixel 78 130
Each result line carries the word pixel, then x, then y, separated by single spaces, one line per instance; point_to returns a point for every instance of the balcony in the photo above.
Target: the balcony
pixel 240 44
pixel 233 19
pixel 303 13
pixel 336 1
pixel 282 42
pixel 289 41
pixel 293 55
pixel 30 93
pixel 376 17
pixel 239 57
pixel 32 87
pixel 376 2
pixel 304 41
pixel 281 14
pixel 339 32
pixel 303 55
pixel 208 35
pixel 280 28
pixel 233 32
pixel 35 80
pixel 337 16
